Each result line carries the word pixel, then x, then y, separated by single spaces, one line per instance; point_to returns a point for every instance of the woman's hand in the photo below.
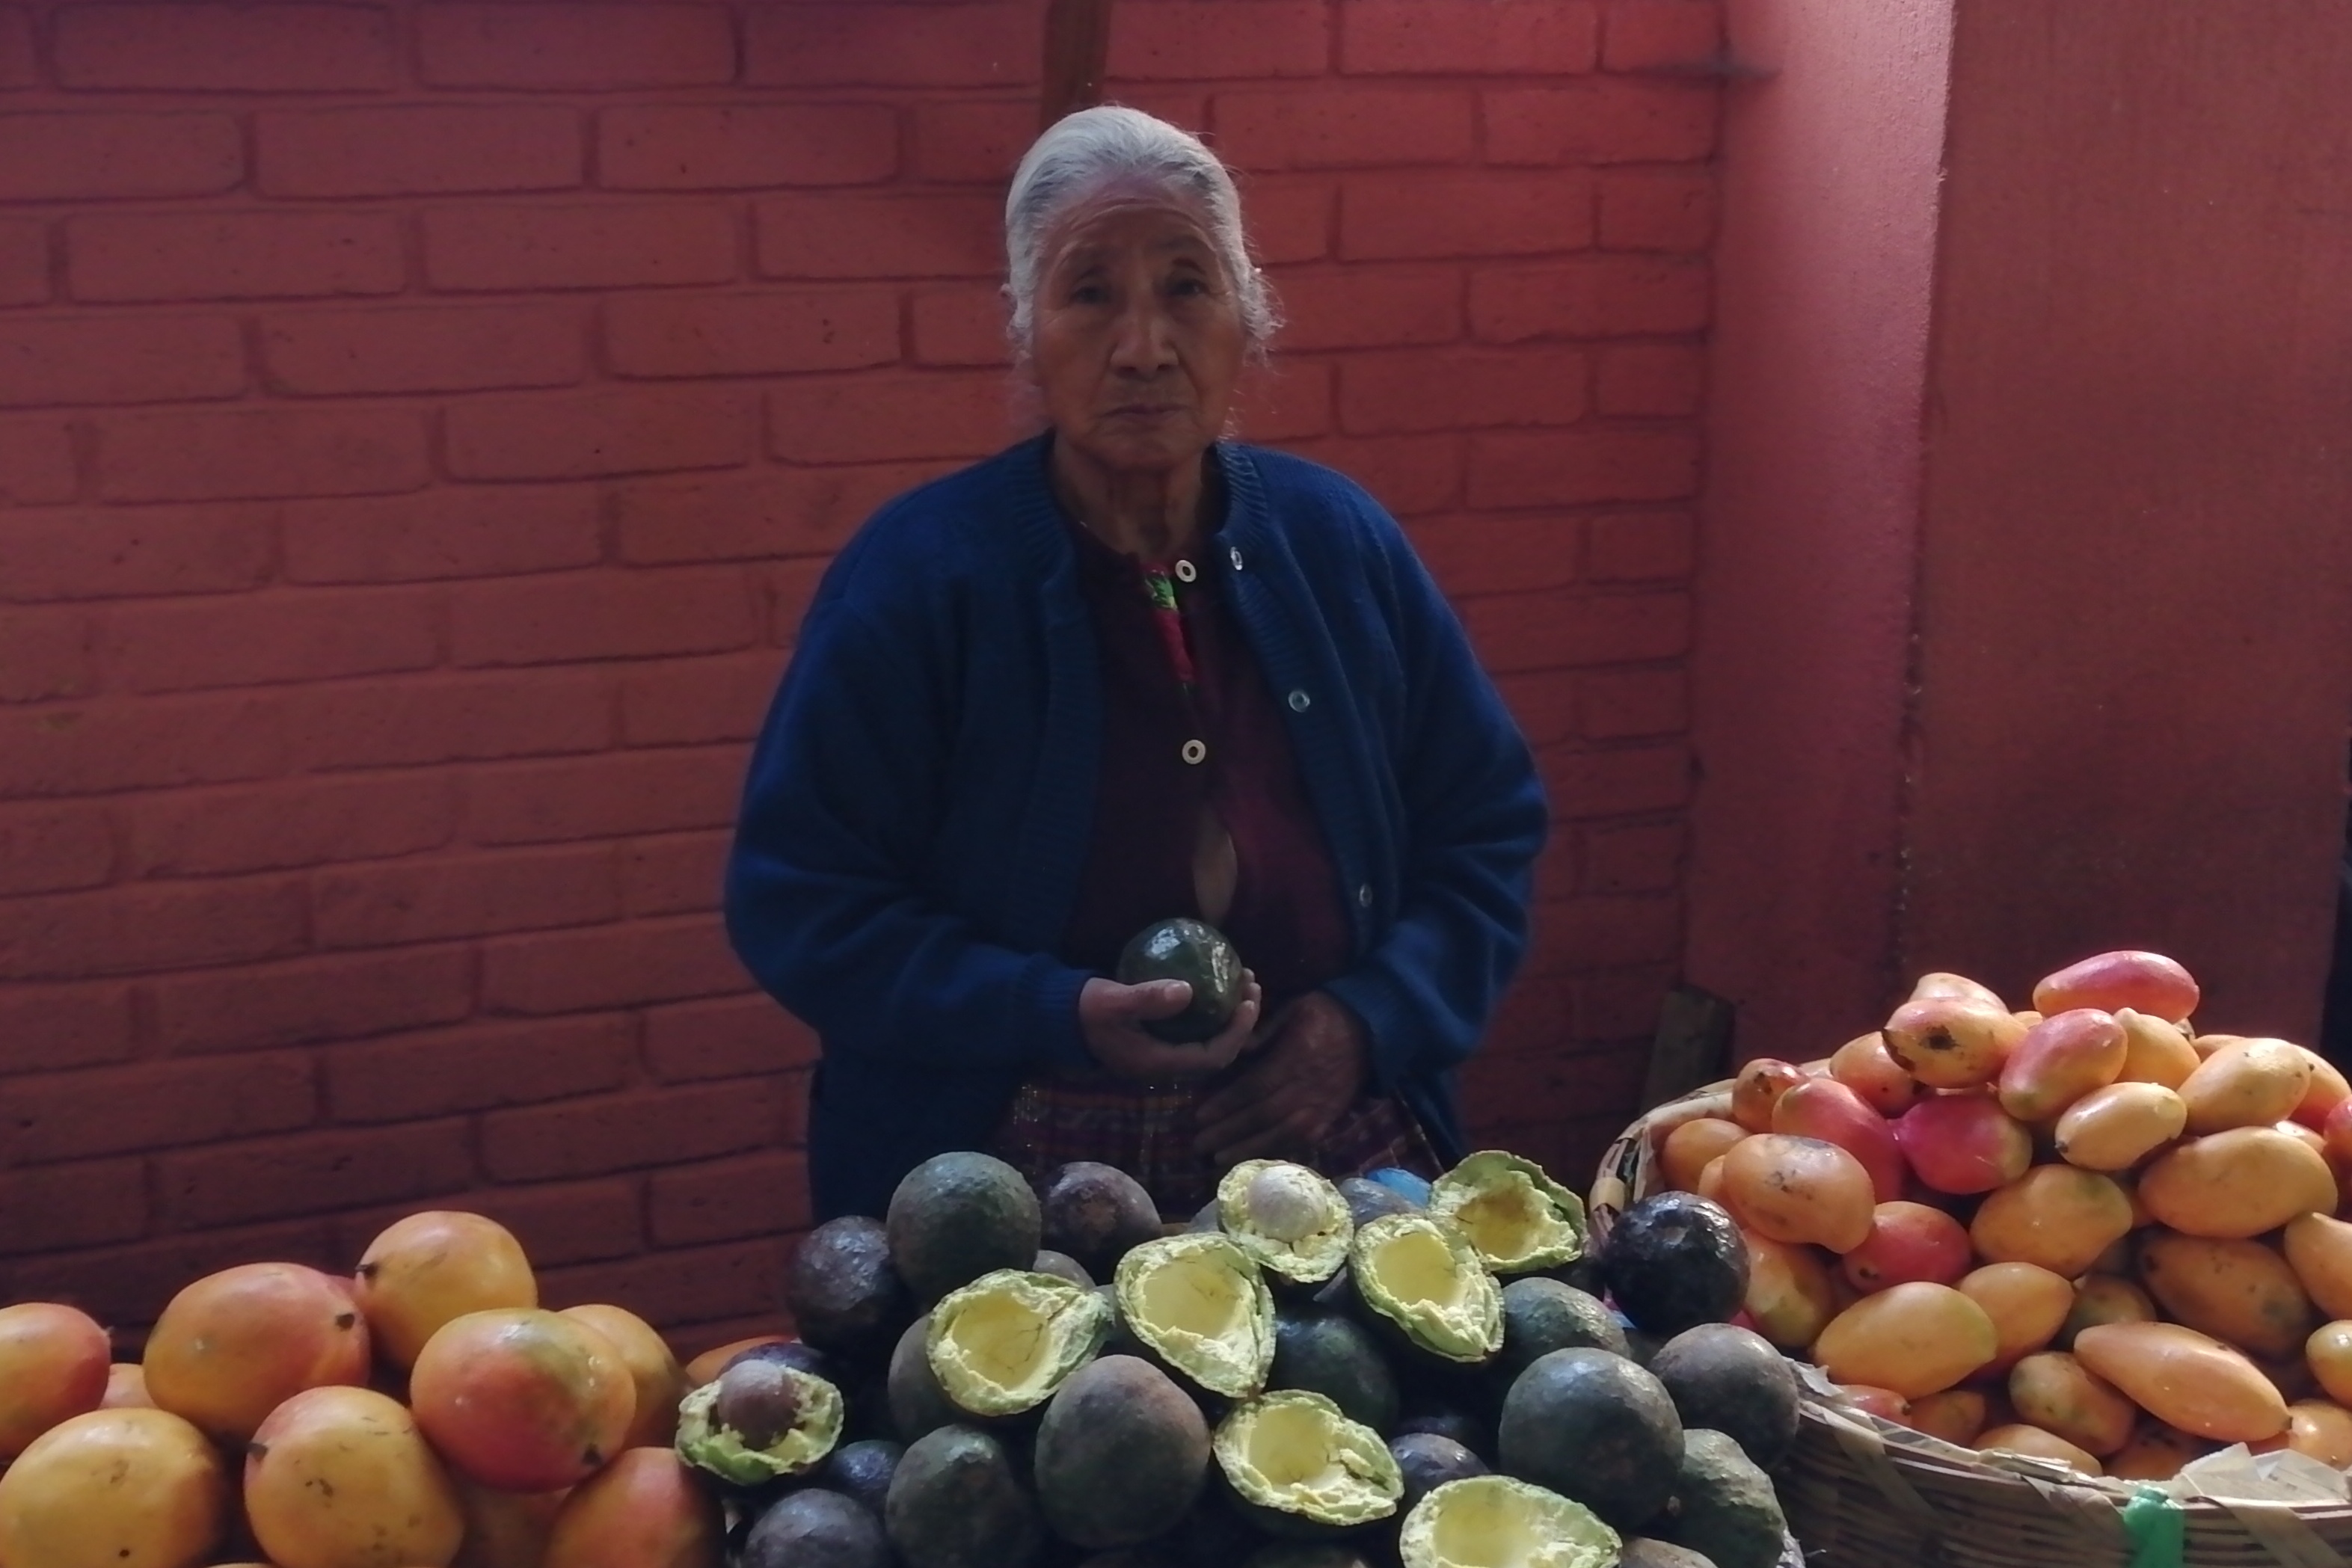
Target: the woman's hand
pixel 1112 1017
pixel 1308 1069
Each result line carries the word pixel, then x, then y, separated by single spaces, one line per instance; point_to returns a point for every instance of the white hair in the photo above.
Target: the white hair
pixel 1081 154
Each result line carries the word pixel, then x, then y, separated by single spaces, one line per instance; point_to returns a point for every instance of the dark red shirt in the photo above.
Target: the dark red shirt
pixel 1287 920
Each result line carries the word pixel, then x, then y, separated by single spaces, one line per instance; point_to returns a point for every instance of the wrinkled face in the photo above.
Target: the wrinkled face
pixel 1139 340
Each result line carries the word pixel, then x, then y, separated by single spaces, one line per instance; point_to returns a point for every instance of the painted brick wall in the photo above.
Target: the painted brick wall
pixel 420 425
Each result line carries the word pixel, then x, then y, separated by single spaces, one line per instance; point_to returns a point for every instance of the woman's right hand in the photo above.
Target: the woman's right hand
pixel 1112 1016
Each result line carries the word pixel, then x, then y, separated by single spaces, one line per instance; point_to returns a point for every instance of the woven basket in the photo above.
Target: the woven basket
pixel 1865 1493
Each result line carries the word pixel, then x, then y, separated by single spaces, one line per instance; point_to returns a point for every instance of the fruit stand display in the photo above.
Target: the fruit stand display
pixel 1369 1373
pixel 2073 1284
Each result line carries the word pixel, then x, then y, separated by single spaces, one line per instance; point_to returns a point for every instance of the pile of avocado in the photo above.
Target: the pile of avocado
pixel 1369 1373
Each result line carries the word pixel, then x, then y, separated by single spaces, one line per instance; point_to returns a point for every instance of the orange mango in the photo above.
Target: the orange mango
pixel 1683 1152
pixel 1863 1065
pixel 2328 1353
pixel 1710 1181
pixel 2104 1299
pixel 2154 1051
pixel 1791 1294
pixel 2239 1182
pixel 2185 1379
pixel 2021 1438
pixel 1956 1415
pixel 2329 1089
pixel 2127 978
pixel 1758 1088
pixel 2054 1390
pixel 2238 1290
pixel 1799 1190
pixel 2053 1216
pixel 2115 1128
pixel 1963 1144
pixel 1943 983
pixel 1917 1339
pixel 2157 1452
pixel 2061 1058
pixel 1826 1109
pixel 1951 1042
pixel 2320 1428
pixel 1883 1403
pixel 2027 1303
pixel 2247 1084
pixel 2318 1248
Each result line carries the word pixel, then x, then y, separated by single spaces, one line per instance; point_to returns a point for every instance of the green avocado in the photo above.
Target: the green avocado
pixel 1597 1429
pixel 957 1217
pixel 956 1501
pixel 1200 955
pixel 1731 1380
pixel 1327 1352
pixel 1095 1212
pixel 843 1291
pixel 1121 1455
pixel 815 1528
pixel 1541 1315
pixel 1723 1505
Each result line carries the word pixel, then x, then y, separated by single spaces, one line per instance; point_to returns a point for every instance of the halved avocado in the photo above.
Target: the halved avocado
pixel 1293 1455
pixel 1421 1276
pixel 1003 1344
pixel 1291 1218
pixel 1197 1302
pixel 1495 1521
pixel 708 1443
pixel 1517 1218
pixel 1197 953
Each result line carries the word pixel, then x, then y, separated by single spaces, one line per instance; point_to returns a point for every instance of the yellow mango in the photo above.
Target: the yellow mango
pixel 2055 1392
pixel 2237 1289
pixel 2247 1084
pixel 2026 1302
pixel 1957 1415
pixel 2104 1298
pixel 2157 1452
pixel 2154 1051
pixel 2185 1379
pixel 2239 1182
pixel 2318 1428
pixel 1917 1339
pixel 2021 1438
pixel 2319 1249
pixel 2115 1127
pixel 2053 1216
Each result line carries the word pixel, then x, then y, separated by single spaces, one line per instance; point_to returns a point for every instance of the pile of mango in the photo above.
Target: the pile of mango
pixel 423 1412
pixel 2083 1230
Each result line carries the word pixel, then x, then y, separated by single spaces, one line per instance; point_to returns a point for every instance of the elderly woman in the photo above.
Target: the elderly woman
pixel 1126 670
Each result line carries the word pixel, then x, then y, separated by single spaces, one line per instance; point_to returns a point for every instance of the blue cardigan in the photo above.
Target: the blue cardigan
pixel 918 804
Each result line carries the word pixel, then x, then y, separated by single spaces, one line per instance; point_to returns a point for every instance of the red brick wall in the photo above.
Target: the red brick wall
pixel 420 425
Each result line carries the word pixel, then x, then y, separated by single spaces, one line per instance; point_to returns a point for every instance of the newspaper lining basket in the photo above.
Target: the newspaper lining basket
pixel 1863 1493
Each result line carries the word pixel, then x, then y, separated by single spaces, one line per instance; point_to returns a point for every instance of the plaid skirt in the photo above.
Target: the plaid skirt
pixel 1147 1131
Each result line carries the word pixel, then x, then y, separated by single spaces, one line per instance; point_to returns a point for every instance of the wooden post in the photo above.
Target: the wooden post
pixel 1077 49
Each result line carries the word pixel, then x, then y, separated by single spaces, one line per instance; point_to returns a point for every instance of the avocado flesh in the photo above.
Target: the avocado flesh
pixel 1517 1216
pixel 1495 1521
pixel 1424 1276
pixel 1317 1247
pixel 707 1445
pixel 1295 1453
pixel 1197 1301
pixel 1003 1344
